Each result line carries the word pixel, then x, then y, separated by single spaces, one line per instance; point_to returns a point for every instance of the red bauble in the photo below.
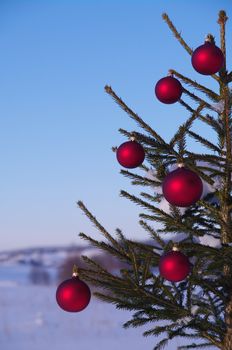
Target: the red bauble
pixel 207 59
pixel 73 295
pixel 168 90
pixel 182 187
pixel 130 154
pixel 174 266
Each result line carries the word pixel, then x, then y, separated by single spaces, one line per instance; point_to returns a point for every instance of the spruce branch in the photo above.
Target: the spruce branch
pixel 209 93
pixel 145 250
pixel 212 339
pixel 217 160
pixel 190 162
pixel 98 225
pixel 146 270
pixel 210 328
pixel 153 198
pixel 138 287
pixel 207 119
pixel 168 293
pixel 204 142
pixel 176 34
pixel 137 322
pixel 181 144
pixel 206 284
pixel 137 179
pixel 181 40
pixel 197 99
pixel 161 344
pixel 118 302
pixel 180 333
pixel 120 235
pixel 144 204
pixel 134 261
pixel 162 329
pixel 120 254
pixel 194 346
pixel 222 19
pixel 148 141
pixel 153 217
pixel 201 250
pixel 155 151
pixel 100 277
pixel 185 127
pixel 229 77
pixel 213 308
pixel 133 115
pixel 153 233
pixel 153 158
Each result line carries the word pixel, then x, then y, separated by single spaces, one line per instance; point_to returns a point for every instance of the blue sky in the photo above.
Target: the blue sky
pixel 57 125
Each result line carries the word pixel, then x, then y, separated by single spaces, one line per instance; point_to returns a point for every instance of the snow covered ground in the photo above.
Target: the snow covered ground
pixel 30 318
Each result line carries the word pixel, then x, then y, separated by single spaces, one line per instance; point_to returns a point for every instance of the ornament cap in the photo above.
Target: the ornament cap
pixel 209 38
pixel 132 136
pixel 75 272
pixel 175 248
pixel 180 165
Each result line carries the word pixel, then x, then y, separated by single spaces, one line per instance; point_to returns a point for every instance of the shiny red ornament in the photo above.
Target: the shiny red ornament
pixel 174 266
pixel 168 90
pixel 130 154
pixel 207 59
pixel 73 295
pixel 182 187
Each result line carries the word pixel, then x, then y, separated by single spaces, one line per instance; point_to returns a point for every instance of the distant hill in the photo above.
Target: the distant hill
pixel 43 256
pixel 50 256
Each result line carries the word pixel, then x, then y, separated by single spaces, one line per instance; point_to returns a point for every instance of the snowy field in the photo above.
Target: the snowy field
pixel 31 320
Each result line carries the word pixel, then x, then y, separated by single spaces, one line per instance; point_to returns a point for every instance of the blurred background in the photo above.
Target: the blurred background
pixel 57 127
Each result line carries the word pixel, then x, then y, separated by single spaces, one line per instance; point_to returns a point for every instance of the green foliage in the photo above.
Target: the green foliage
pixel 198 307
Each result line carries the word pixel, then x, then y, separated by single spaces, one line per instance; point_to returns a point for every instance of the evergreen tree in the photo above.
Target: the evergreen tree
pixel 199 308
